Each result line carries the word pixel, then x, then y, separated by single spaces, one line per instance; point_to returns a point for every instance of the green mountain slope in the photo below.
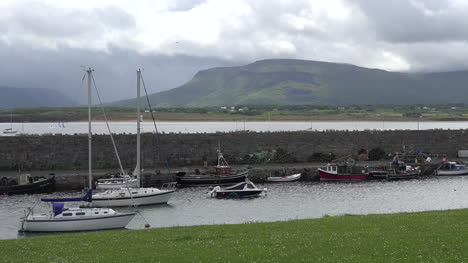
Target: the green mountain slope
pixel 296 82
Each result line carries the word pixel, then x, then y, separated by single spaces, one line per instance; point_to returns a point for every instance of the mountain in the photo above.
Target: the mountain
pixel 32 98
pixel 296 82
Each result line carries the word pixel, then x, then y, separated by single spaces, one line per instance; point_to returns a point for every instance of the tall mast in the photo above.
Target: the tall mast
pixel 90 72
pixel 138 165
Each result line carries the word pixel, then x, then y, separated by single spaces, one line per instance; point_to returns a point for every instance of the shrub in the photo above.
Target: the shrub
pixel 376 154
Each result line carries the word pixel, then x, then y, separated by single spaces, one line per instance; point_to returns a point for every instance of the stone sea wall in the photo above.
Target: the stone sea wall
pixel 56 152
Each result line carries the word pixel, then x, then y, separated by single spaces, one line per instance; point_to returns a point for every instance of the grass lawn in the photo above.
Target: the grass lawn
pixel 436 236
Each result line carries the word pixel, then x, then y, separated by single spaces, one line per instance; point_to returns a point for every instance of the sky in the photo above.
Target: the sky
pixel 46 43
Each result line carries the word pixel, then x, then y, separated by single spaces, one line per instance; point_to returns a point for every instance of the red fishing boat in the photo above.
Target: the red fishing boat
pixel 345 172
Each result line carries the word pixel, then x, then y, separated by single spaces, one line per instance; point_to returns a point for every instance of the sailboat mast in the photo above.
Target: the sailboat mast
pixel 90 72
pixel 138 165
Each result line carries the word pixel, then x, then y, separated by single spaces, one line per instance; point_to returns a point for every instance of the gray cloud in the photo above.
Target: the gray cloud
pixel 47 43
pixel 114 72
pixel 43 20
pixel 407 21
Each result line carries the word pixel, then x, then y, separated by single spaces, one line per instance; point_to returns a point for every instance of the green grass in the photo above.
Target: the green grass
pixel 436 236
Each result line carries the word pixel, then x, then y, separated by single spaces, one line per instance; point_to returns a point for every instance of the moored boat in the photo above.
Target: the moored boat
pixel 286 178
pixel 222 175
pixel 132 197
pixel 240 190
pixel 129 193
pixel 61 219
pixel 343 172
pixel 26 184
pixel 452 168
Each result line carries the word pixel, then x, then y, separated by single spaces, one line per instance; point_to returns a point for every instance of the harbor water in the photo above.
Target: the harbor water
pixel 228 126
pixel 286 201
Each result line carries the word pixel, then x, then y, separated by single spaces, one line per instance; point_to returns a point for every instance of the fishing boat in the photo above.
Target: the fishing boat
pixel 222 175
pixel 452 168
pixel 403 172
pixel 345 172
pixel 240 190
pixel 26 184
pixel 129 192
pixel 61 219
pixel 286 178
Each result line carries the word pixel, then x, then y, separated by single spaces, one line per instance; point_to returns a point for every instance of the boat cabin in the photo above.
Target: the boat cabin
pixel 452 166
pixel 333 168
pixel 223 170
pixel 24 179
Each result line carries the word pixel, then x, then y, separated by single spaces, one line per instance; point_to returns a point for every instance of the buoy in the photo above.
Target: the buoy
pixel 147 225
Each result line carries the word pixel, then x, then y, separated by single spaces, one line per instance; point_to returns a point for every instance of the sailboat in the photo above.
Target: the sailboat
pixel 133 196
pixel 10 130
pixel 61 219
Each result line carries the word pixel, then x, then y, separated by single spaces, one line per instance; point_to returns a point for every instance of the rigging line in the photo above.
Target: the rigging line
pixel 112 139
pixel 151 110
pixel 108 128
pixel 154 120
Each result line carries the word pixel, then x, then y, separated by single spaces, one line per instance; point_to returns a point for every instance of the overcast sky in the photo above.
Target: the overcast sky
pixel 44 43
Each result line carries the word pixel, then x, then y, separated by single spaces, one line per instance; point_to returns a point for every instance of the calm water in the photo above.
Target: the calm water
pixel 191 206
pixel 200 127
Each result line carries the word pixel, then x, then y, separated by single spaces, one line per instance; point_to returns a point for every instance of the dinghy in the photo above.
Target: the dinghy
pixel 287 178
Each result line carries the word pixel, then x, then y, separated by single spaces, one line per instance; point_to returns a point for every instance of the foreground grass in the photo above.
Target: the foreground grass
pixel 436 236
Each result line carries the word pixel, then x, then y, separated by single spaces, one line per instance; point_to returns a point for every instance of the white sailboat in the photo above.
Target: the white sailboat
pixel 129 195
pixel 62 219
pixel 10 130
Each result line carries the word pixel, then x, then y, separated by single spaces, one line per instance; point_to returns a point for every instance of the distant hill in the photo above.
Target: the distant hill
pixel 298 82
pixel 32 98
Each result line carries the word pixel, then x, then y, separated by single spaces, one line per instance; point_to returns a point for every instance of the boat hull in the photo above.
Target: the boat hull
pixel 394 176
pixel 238 194
pixel 279 179
pixel 152 199
pixel 73 225
pixel 326 176
pixel 452 173
pixel 200 180
pixel 47 185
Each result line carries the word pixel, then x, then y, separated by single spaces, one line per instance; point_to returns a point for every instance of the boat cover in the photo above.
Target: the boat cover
pixel 58 208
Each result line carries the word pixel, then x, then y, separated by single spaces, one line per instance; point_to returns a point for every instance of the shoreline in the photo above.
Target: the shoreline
pixel 242 121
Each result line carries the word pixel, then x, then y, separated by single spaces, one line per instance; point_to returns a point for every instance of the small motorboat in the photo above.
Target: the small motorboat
pixel 287 178
pixel 26 184
pixel 117 182
pixel 452 168
pixel 240 190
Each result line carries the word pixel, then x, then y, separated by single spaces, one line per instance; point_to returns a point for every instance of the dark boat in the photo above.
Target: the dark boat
pixel 399 172
pixel 222 175
pixel 209 179
pixel 240 190
pixel 27 184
